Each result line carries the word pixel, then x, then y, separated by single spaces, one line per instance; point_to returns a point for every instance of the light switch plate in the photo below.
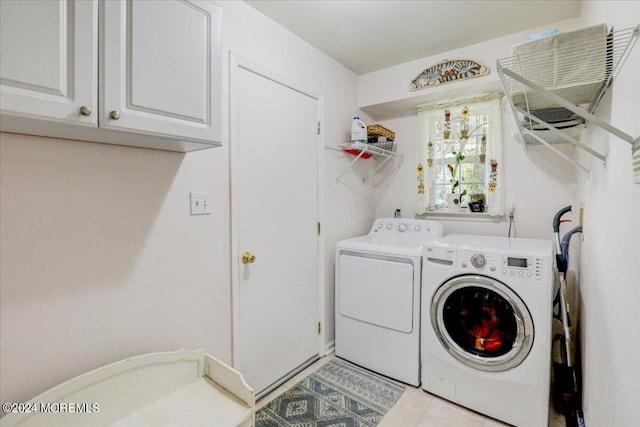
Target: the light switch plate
pixel 200 204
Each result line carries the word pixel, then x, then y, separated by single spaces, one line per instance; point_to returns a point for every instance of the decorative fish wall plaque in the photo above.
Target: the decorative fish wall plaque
pixel 448 71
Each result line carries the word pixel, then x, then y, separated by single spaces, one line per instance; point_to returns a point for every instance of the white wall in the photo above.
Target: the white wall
pixel 100 257
pixel 101 260
pixel 385 93
pixel 536 186
pixel 610 259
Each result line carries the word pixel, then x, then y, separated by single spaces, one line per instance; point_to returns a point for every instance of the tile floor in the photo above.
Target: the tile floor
pixel 417 408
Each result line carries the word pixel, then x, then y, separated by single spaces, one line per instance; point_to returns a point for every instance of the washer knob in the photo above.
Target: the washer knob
pixel 402 228
pixel 380 225
pixel 478 260
pixel 418 228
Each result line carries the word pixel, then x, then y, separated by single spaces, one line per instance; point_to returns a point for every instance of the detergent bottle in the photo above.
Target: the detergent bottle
pixel 358 130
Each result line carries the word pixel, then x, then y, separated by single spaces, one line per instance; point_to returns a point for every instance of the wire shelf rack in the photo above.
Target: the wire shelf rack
pixel 363 150
pixel 558 81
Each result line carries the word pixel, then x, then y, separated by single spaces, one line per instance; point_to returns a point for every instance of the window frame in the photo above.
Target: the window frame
pixel 435 174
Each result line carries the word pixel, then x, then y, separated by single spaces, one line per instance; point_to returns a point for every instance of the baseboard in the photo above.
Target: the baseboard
pixel 330 348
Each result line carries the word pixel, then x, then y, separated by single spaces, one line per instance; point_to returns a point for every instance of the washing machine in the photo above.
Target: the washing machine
pixel 486 325
pixel 377 299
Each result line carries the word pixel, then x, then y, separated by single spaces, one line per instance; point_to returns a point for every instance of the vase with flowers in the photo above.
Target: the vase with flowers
pixel 454 198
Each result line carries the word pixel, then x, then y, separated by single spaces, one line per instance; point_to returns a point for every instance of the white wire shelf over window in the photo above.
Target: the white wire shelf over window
pixel 566 74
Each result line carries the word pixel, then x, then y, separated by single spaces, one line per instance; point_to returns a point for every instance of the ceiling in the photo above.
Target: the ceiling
pixel 366 36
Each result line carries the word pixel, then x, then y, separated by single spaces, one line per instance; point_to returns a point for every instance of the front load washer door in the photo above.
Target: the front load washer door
pixel 482 322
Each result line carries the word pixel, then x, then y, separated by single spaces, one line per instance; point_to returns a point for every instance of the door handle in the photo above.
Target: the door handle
pixel 248 258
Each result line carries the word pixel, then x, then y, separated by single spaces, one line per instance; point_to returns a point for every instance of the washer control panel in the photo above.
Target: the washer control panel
pixel 514 266
pixel 478 260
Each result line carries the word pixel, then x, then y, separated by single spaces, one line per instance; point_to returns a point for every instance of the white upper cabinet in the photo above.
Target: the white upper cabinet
pixel 48 67
pixel 157 69
pixel 158 81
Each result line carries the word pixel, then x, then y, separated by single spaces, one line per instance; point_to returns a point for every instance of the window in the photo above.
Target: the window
pixel 460 159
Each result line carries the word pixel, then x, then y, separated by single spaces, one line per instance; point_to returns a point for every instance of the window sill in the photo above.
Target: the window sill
pixel 459 216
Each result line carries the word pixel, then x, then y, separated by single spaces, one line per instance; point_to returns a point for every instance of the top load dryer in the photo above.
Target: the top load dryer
pixel 378 285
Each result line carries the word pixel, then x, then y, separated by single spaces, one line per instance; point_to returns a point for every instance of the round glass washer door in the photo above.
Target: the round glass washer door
pixel 482 323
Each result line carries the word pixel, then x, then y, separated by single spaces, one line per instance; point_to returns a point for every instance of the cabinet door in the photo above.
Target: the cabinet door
pixel 160 72
pixel 48 67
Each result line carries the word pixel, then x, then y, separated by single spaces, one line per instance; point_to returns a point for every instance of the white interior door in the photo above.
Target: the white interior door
pixel 276 214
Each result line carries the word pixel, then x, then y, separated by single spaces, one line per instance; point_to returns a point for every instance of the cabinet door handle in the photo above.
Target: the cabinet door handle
pixel 115 115
pixel 85 111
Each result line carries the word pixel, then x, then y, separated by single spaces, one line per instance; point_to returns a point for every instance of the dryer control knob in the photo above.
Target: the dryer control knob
pixel 478 260
pixel 389 226
pixel 380 225
pixel 402 228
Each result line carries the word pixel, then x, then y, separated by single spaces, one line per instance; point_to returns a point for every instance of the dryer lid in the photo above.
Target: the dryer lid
pixel 399 236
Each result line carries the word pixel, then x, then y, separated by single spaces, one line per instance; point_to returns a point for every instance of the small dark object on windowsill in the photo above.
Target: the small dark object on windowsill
pixel 477 206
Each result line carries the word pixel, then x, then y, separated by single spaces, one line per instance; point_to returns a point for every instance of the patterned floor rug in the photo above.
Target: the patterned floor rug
pixel 337 394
